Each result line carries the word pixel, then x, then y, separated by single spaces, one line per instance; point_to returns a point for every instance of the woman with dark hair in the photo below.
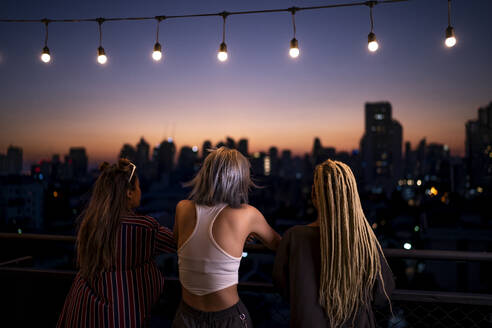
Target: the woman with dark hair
pixel 333 270
pixel 118 280
pixel 211 229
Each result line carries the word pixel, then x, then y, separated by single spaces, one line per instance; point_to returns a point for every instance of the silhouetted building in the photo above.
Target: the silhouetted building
pixel 143 152
pixel 165 154
pixel 478 148
pixel 274 160
pixel 128 152
pixel 13 160
pixel 187 160
pixel 381 148
pixel 242 146
pixel 230 143
pixel 207 145
pixel 320 153
pixel 78 160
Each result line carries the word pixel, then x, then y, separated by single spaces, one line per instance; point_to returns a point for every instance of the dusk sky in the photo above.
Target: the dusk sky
pixel 260 93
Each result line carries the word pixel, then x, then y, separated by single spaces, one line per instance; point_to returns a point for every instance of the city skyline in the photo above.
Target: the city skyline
pixel 72 101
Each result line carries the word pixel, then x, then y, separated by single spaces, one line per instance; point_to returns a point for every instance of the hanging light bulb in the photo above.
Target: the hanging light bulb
pixel 372 42
pixel 222 54
pixel 294 48
pixel 450 37
pixel 157 53
pixel 45 54
pixel 101 54
pixel 294 44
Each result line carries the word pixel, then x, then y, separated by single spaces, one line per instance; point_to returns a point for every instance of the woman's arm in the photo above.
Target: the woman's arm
pixel 164 240
pixel 280 273
pixel 262 230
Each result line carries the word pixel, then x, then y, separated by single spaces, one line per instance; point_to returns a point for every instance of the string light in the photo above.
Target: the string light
pixel 101 54
pixel 372 43
pixel 294 44
pixel 450 37
pixel 45 54
pixel 222 54
pixel 157 53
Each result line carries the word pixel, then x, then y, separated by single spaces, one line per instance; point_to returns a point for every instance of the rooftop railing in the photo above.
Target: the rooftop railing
pixel 411 308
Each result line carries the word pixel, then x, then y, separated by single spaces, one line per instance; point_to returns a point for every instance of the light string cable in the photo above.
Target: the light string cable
pixel 45 54
pixel 372 43
pixel 264 11
pixel 294 44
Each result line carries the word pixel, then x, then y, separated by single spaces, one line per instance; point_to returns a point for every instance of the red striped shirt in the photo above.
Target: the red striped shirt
pixel 123 296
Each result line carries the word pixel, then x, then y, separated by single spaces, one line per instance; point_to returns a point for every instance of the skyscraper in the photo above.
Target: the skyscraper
pixel 78 160
pixel 128 152
pixel 142 156
pixel 381 148
pixel 243 147
pixel 165 156
pixel 14 160
pixel 478 148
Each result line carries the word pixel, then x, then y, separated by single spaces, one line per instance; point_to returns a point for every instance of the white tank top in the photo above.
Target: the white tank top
pixel 204 267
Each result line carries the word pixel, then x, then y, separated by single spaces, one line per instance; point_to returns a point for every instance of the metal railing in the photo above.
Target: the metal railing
pixel 411 308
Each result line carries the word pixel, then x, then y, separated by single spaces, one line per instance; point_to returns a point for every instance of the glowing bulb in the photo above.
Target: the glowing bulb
pixel 407 246
pixel 157 53
pixel 372 44
pixel 101 56
pixel 45 55
pixel 222 55
pixel 450 37
pixel 294 48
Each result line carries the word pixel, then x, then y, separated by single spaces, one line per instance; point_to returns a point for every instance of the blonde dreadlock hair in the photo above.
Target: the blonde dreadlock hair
pixel 350 252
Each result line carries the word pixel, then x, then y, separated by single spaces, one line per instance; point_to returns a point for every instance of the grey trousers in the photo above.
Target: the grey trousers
pixel 235 316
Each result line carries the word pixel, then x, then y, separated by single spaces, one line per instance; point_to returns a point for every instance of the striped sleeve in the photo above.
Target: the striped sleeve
pixel 164 241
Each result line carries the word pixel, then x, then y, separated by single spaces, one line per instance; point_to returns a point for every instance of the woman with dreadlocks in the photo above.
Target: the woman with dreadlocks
pixel 333 270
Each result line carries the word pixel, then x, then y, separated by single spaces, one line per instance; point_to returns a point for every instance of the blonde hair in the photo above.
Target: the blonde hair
pixel 223 178
pixel 350 252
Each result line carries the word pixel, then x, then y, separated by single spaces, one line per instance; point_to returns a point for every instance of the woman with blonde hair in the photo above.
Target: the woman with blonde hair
pixel 333 270
pixel 211 228
pixel 118 280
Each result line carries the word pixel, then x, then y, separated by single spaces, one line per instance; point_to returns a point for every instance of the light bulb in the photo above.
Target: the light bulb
pixel 157 53
pixel 222 54
pixel 45 55
pixel 372 43
pixel 294 48
pixel 101 56
pixel 450 37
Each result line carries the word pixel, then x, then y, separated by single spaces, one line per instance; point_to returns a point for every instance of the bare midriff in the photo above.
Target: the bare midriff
pixel 216 301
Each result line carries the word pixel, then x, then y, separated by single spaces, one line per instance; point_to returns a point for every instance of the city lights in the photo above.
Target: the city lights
pixel 407 246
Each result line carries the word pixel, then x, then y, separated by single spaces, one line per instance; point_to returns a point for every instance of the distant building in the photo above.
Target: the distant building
pixel 128 152
pixel 165 154
pixel 478 148
pixel 242 146
pixel 143 152
pixel 230 143
pixel 14 160
pixel 381 147
pixel 320 153
pixel 78 160
pixel 207 145
pixel 21 202
pixel 187 160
